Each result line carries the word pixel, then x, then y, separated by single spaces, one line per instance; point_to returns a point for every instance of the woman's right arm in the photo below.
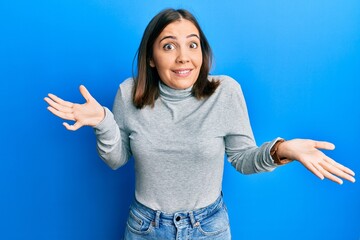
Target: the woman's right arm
pixel 112 136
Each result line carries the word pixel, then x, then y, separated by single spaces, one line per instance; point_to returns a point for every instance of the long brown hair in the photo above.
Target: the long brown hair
pixel 146 88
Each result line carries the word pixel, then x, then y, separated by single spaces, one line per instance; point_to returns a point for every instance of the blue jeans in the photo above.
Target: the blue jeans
pixel 211 222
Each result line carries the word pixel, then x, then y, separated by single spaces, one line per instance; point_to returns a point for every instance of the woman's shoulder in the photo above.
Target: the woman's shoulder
pixel 229 91
pixel 226 82
pixel 127 84
pixel 124 91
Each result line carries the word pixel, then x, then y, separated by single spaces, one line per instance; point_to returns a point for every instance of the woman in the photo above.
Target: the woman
pixel 177 122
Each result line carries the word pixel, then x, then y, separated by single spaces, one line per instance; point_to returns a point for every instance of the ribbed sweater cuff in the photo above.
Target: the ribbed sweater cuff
pixel 269 159
pixel 107 122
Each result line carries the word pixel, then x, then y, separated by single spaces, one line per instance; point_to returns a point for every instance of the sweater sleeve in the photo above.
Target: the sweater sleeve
pixel 240 146
pixel 111 135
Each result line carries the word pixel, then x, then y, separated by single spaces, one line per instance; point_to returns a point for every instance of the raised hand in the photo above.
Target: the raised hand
pixel 308 154
pixel 90 113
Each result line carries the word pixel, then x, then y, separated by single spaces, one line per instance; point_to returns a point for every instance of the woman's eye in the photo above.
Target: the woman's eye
pixel 168 46
pixel 193 45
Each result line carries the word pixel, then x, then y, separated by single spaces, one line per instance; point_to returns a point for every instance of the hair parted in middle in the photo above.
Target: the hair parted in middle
pixel 146 88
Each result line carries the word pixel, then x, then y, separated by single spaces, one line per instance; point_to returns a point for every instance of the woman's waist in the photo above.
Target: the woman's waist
pixel 187 216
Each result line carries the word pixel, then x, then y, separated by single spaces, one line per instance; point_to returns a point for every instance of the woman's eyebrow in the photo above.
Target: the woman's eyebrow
pixel 193 35
pixel 173 37
pixel 166 37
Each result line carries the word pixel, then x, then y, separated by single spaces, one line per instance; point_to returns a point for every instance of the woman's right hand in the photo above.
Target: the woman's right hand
pixel 90 113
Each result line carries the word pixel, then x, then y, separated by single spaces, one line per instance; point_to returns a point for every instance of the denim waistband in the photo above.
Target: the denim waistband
pixel 177 218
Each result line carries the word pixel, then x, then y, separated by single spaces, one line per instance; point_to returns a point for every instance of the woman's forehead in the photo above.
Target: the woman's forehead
pixel 180 28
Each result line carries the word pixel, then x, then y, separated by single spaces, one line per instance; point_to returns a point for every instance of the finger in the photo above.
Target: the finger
pixel 333 177
pixel 312 169
pixel 60 101
pixel 324 145
pixel 73 127
pixel 336 171
pixel 66 116
pixel 339 166
pixel 328 175
pixel 85 93
pixel 57 106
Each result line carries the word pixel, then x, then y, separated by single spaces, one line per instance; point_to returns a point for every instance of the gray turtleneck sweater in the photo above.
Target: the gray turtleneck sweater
pixel 179 144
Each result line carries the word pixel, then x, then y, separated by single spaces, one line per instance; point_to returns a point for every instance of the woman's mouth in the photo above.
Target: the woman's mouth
pixel 182 72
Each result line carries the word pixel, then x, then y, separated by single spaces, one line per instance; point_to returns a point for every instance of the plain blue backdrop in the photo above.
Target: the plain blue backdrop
pixel 299 66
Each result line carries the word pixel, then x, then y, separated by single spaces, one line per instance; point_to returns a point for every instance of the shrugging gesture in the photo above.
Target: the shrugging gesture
pixel 308 154
pixel 89 113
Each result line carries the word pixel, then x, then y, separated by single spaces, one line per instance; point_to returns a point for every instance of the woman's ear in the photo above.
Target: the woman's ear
pixel 151 62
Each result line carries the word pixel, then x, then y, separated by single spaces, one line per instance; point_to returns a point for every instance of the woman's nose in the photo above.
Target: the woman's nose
pixel 183 56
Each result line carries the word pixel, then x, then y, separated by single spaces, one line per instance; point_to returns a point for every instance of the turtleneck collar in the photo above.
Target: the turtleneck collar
pixel 174 95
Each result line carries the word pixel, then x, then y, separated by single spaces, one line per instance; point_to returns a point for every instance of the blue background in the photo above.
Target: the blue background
pixel 297 61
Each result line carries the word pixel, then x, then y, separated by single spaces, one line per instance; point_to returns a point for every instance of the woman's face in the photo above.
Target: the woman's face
pixel 177 54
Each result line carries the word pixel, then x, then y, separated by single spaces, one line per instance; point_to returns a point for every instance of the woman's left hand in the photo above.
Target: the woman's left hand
pixel 308 154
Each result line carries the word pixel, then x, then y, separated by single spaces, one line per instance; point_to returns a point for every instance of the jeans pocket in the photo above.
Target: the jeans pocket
pixel 138 224
pixel 215 224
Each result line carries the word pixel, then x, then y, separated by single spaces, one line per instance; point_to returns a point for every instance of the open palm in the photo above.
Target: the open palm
pixel 89 113
pixel 307 152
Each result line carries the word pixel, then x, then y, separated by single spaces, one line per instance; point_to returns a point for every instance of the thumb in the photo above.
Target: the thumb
pixel 85 93
pixel 324 145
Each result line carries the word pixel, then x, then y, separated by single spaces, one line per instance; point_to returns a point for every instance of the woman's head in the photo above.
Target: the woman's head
pixel 177 55
pixel 175 50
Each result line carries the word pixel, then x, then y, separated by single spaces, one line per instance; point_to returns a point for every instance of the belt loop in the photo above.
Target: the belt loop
pixel 157 219
pixel 192 219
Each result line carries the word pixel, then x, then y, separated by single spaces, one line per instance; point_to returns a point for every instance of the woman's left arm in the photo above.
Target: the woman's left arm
pixel 308 154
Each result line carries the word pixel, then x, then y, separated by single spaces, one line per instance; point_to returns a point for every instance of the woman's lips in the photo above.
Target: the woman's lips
pixel 182 72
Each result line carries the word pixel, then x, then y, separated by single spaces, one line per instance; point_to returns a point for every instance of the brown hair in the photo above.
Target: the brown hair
pixel 146 88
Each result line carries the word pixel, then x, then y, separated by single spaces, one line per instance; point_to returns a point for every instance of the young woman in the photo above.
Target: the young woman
pixel 178 122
